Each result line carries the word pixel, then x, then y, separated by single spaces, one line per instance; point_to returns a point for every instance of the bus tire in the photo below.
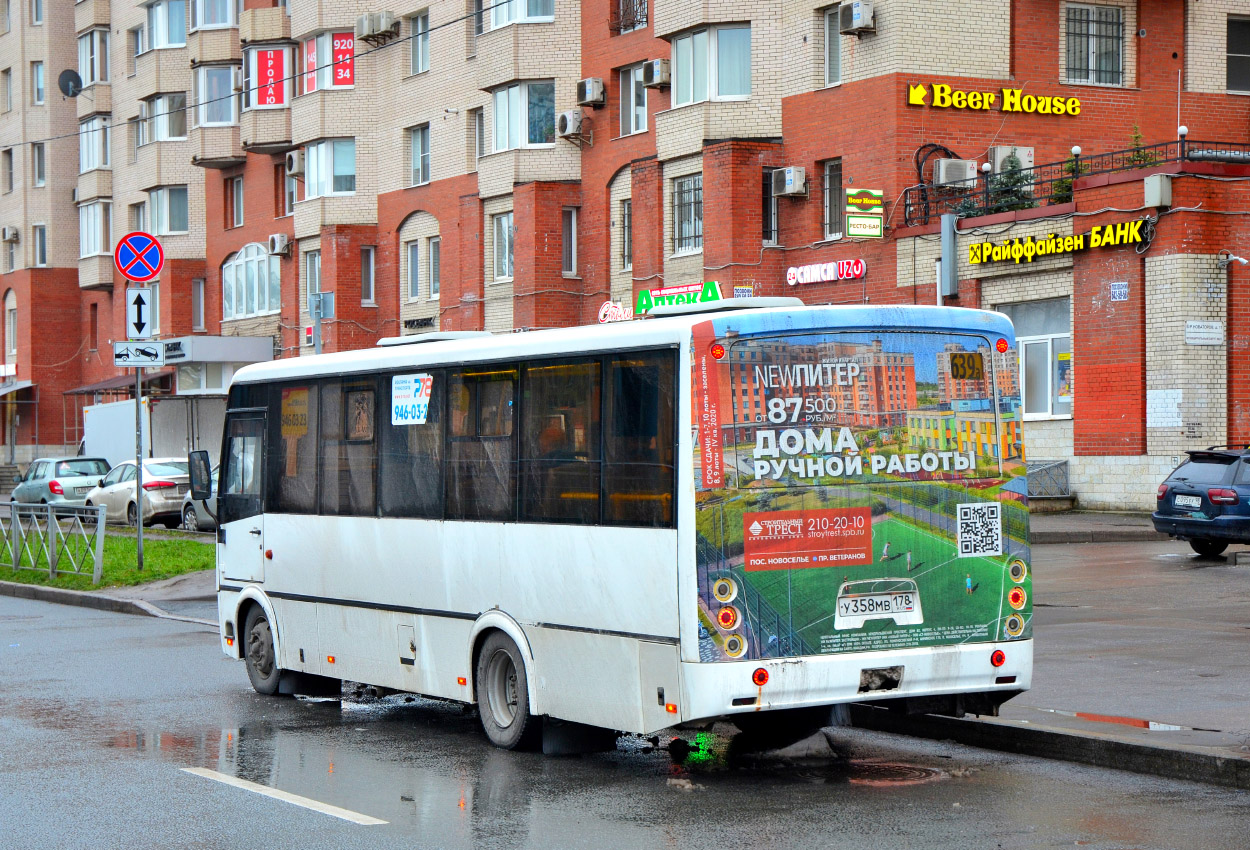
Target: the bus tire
pixel 503 695
pixel 259 653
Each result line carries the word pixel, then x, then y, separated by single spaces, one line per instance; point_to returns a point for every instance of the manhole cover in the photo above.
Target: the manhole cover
pixel 888 773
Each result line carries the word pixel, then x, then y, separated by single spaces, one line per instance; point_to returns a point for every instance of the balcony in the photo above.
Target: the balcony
pixel 95 273
pixel 91 13
pixel 523 52
pixel 159 71
pixel 497 173
pixel 266 130
pixel 95 184
pixel 94 100
pixel 162 164
pixel 325 114
pixel 216 147
pixel 214 46
pixel 272 24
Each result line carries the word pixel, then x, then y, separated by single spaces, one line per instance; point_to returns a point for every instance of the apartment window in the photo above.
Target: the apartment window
pixel 266 78
pixel 627 234
pixel 94 333
pixel 154 305
pixel 479 135
pixel 832 186
pixel 329 61
pixel 290 192
pixel 169 210
pixel 501 227
pixel 479 18
pixel 39 236
pixel 419 146
pixel 712 63
pixel 214 13
pixel 414 270
pixel 10 256
pixel 139 216
pixel 312 273
pixel 94 229
pixel 251 283
pixel 36 11
pixel 630 15
pixel 435 251
pixel 93 144
pixel 633 101
pixel 138 43
pixel 234 188
pixel 1044 340
pixel 6 88
pixel 419 59
pixel 10 323
pixel 5 17
pixel 366 274
pixel 833 48
pixel 330 168
pixel 769 210
pixel 218 104
pixel 167 25
pixel 1239 54
pixel 38 164
pixel 93 57
pixel 525 114
pixel 568 229
pixel 521 11
pixel 197 304
pixel 6 167
pixel 688 214
pixel 36 83
pixel 162 119
pixel 1095 44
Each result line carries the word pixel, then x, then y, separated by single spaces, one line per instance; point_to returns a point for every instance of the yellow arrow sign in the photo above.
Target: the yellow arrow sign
pixel 916 94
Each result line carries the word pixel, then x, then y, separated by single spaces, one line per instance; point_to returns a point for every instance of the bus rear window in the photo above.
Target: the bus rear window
pixel 639 444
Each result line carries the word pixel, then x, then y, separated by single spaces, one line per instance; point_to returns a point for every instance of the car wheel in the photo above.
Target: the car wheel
pixel 1208 548
pixel 189 520
pixel 261 657
pixel 503 695
pixel 132 514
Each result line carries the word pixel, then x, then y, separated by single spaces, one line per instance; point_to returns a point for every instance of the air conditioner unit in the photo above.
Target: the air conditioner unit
pixel 656 73
pixel 999 154
pixel 8 234
pixel 955 172
pixel 789 181
pixel 569 123
pixel 590 92
pixel 295 162
pixel 362 26
pixel 855 18
pixel 377 26
pixel 279 243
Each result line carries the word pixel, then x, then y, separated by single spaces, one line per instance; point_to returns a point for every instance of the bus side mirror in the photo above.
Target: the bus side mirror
pixel 201 477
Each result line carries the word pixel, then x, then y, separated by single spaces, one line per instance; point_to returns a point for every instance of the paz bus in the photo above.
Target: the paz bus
pixel 748 510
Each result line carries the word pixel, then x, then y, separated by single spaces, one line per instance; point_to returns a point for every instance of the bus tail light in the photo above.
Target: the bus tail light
pixel 760 677
pixel 670 707
pixel 727 617
pixel 1014 625
pixel 159 484
pixel 735 646
pixel 1017 597
pixel 54 486
pixel 718 350
pixel 725 590
pixel 1018 570
pixel 998 658
pixel 1222 496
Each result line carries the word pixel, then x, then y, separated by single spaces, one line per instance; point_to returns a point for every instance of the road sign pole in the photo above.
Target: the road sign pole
pixel 315 308
pixel 139 463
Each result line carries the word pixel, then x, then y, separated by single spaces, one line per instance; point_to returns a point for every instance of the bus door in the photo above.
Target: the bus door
pixel 241 528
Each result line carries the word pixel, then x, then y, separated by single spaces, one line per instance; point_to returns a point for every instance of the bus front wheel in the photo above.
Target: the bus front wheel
pixel 503 694
pixel 262 660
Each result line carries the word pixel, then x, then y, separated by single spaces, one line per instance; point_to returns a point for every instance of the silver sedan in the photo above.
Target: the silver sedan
pixel 165 481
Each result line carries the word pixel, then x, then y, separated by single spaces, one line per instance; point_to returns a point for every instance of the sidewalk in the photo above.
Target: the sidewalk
pixel 1091 527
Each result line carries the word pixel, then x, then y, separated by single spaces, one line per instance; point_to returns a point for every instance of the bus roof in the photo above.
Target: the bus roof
pixel 614 336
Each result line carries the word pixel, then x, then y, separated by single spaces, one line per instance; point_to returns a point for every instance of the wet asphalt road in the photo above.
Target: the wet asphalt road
pixel 100 712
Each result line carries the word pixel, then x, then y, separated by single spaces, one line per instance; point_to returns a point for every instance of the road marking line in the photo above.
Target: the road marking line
pixel 294 799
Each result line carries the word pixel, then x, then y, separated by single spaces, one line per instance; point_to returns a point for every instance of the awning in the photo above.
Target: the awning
pixel 121 382
pixel 16 386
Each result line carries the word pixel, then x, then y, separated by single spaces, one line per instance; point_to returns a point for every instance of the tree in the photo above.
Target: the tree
pixel 1012 188
pixel 1140 157
pixel 1061 190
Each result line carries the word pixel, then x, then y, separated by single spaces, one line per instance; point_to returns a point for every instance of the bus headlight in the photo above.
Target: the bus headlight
pixel 725 590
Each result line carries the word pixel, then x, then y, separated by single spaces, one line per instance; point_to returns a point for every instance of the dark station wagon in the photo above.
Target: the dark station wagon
pixel 1206 500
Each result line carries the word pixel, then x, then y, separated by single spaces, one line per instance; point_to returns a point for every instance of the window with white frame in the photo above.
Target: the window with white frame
pixel 769 211
pixel 502 230
pixel 312 274
pixel 290 192
pixel 525 115
pixel 6 166
pixel 504 12
pixel 329 61
pixel 330 168
pixel 434 250
pixel 366 274
pixel 568 233
pixel 139 216
pixel 154 307
pixel 167 25
pixel 94 229
pixel 236 202
pixel 419 57
pixel 197 304
pixel 93 144
pixel 713 63
pixel 833 48
pixel 627 234
pixel 208 14
pixel 413 253
pixel 477 119
pixel 251 283
pixel 39 238
pixel 36 11
pixel 419 148
pixel 6 18
pixel 215 95
pixel 6 88
pixel 38 164
pixel 1044 342
pixel 831 185
pixel 266 77
pixel 10 323
pixel 688 214
pixel 162 118
pixel 138 43
pixel 1238 55
pixel 10 256
pixel 633 101
pixel 1095 44
pixel 93 57
pixel 168 207
pixel 36 83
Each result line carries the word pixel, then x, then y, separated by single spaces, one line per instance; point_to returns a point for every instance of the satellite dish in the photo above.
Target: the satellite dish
pixel 69 83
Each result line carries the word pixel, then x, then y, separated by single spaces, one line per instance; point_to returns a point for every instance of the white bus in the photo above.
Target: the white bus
pixel 750 513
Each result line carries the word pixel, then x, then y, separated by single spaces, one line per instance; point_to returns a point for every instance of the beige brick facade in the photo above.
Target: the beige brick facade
pixel 1206 44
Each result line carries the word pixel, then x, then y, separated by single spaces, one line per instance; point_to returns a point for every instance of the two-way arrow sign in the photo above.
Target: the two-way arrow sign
pixel 139 313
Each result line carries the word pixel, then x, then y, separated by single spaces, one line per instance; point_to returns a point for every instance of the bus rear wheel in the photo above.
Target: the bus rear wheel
pixel 262 660
pixel 503 694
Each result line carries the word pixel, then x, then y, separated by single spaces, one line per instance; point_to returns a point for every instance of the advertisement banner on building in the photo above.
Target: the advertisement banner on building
pixel 343 55
pixel 686 293
pixel 271 77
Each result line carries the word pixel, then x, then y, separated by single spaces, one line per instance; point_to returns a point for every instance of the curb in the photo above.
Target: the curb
pixel 1191 765
pixel 1128 535
pixel 85 599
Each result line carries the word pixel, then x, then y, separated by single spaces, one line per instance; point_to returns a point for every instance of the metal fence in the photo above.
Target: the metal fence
pixel 53 539
pixel 1048 479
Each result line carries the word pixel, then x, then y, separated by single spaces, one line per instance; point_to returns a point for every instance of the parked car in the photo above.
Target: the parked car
pixel 165 481
pixel 1206 500
pixel 59 480
pixel 201 514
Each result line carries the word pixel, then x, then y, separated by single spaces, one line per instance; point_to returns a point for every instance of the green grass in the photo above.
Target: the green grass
pixel 162 558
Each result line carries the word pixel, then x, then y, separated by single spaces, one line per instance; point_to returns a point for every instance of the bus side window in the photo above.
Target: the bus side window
pixel 293 449
pixel 481 451
pixel 560 436
pixel 640 440
pixel 348 430
pixel 240 495
pixel 412 455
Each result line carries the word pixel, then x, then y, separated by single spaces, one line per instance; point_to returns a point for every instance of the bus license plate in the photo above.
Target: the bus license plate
pixel 903 607
pixel 1187 501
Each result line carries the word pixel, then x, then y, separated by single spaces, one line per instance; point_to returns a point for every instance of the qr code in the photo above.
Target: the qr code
pixel 980 529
